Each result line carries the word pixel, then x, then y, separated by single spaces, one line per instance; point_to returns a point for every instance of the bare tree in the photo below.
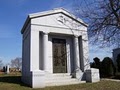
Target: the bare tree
pixel 17 63
pixel 103 17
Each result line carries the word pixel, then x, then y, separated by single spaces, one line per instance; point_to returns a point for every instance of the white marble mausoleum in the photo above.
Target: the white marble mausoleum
pixel 55 50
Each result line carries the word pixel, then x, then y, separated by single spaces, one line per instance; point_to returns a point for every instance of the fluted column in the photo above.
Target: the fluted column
pixel 76 53
pixel 45 50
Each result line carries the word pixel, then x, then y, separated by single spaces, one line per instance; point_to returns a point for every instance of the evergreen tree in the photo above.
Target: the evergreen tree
pixel 118 62
pixel 108 68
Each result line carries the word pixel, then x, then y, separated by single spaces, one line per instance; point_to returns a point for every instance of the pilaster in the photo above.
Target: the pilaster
pixel 34 50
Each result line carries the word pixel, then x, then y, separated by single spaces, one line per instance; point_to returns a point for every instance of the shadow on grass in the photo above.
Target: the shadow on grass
pixel 12 80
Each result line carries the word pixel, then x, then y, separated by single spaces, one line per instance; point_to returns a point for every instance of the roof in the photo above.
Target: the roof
pixel 50 12
pixel 116 49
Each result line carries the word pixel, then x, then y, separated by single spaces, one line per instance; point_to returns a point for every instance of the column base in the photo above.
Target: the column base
pixel 78 74
pixel 35 79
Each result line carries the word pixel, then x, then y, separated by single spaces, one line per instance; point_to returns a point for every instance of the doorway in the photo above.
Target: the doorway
pixel 59 56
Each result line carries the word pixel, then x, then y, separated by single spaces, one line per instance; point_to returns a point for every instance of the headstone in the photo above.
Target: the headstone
pixel 7 71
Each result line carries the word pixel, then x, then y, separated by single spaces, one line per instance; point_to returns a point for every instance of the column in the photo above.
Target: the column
pixel 76 53
pixel 45 51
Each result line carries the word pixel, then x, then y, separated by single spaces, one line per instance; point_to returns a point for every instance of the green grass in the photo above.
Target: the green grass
pixel 13 82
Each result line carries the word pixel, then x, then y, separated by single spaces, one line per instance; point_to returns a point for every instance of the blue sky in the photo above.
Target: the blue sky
pixel 12 17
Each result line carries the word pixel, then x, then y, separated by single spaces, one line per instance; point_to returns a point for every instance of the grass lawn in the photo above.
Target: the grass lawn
pixel 13 82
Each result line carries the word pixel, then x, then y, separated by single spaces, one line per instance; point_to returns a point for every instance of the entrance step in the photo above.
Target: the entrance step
pixel 61 79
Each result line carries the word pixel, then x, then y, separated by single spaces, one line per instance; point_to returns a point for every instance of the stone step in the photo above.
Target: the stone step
pixel 61 79
pixel 57 76
pixel 59 83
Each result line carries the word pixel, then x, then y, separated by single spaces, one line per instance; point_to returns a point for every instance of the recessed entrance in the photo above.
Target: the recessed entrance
pixel 59 56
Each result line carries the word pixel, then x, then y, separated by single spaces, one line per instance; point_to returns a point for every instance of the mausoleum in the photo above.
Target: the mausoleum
pixel 55 50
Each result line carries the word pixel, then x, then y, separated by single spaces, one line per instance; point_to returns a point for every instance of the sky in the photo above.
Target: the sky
pixel 13 14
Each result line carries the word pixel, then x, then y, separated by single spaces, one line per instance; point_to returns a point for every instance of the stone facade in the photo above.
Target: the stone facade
pixel 49 31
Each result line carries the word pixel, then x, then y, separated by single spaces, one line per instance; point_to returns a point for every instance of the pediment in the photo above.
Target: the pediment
pixel 56 18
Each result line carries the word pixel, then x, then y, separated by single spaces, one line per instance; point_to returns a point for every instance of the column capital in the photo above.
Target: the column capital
pixel 46 33
pixel 76 36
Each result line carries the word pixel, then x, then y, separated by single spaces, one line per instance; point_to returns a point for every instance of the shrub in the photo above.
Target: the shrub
pixel 92 65
pixel 108 68
pixel 97 62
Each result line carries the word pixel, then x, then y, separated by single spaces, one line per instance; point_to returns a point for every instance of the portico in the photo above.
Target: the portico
pixel 55 48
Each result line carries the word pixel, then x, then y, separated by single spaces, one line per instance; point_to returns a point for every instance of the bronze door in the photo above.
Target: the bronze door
pixel 59 56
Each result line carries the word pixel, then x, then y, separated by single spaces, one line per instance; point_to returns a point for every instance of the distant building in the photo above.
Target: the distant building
pixel 115 54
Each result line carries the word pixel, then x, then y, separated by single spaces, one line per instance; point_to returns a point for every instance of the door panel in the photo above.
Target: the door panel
pixel 59 56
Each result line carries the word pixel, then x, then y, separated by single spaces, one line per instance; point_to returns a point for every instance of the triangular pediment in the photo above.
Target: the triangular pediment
pixel 57 11
pixel 56 18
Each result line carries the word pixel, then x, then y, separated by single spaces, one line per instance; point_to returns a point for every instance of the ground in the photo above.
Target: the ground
pixel 13 82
